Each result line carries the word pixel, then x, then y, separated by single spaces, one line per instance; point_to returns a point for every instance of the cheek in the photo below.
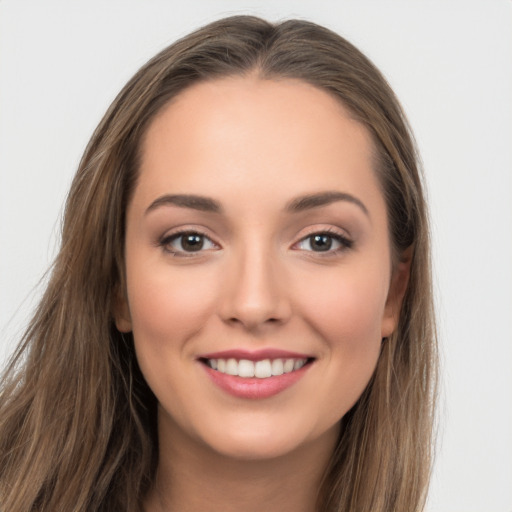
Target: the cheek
pixel 168 304
pixel 346 311
pixel 347 305
pixel 168 307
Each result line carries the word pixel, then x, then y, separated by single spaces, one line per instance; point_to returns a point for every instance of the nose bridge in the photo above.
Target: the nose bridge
pixel 254 293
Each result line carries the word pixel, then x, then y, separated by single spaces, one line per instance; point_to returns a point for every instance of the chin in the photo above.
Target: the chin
pixel 260 442
pixel 255 449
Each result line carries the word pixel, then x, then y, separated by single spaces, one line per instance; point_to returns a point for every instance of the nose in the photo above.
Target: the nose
pixel 255 293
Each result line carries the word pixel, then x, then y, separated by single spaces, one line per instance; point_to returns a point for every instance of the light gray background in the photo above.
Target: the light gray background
pixel 450 63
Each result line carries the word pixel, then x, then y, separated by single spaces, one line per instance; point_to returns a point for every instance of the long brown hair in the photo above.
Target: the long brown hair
pixel 77 420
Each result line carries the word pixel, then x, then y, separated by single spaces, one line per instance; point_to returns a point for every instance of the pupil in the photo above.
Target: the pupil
pixel 321 242
pixel 192 242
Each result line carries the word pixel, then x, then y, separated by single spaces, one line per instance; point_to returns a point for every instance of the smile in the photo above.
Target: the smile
pixel 255 375
pixel 262 369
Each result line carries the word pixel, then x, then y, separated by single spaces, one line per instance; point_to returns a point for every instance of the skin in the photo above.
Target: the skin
pixel 254 146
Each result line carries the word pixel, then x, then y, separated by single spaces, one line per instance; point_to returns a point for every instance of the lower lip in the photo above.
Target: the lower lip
pixel 254 388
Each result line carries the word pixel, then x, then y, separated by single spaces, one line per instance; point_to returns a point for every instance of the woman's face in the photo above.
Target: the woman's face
pixel 257 243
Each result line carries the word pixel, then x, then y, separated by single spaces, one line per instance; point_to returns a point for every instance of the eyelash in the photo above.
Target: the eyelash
pixel 344 242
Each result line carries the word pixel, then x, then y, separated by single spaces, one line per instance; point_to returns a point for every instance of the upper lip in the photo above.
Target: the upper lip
pixel 255 355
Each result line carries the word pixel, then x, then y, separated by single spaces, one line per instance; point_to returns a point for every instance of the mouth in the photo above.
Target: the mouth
pixel 255 375
pixel 260 369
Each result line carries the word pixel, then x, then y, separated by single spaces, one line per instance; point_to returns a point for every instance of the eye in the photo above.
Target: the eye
pixel 324 242
pixel 186 243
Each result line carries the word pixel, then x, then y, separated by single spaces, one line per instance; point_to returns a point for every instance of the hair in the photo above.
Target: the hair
pixel 77 419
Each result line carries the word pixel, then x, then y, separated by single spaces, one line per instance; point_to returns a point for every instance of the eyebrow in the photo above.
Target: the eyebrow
pixel 204 204
pixel 310 201
pixel 298 204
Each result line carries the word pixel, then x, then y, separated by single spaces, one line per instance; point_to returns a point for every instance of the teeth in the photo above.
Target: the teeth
pixel 263 369
pixel 232 367
pixel 298 364
pixel 260 369
pixel 246 368
pixel 277 367
pixel 288 365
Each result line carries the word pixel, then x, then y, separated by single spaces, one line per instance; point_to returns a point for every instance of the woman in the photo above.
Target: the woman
pixel 240 314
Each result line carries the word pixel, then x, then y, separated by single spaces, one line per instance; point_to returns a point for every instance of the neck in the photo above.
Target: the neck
pixel 192 477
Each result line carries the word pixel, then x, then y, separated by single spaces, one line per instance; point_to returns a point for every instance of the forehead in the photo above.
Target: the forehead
pixel 246 135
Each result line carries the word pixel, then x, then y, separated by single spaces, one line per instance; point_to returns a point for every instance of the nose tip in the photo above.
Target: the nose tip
pixel 254 316
pixel 254 296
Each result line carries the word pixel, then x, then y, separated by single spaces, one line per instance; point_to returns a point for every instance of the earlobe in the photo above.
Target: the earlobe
pixel 396 293
pixel 121 313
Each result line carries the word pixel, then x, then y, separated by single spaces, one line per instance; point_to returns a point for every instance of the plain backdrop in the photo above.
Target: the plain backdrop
pixel 450 63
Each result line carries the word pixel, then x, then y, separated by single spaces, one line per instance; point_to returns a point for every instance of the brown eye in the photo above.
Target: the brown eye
pixel 192 242
pixel 321 242
pixel 185 243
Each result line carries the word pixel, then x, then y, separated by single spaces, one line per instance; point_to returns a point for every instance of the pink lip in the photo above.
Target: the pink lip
pixel 254 355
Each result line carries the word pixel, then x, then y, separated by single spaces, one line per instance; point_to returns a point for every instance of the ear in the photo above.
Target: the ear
pixel 397 289
pixel 121 312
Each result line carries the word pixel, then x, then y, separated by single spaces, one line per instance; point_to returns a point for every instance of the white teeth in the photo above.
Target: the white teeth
pixel 298 364
pixel 232 367
pixel 245 368
pixel 260 369
pixel 288 365
pixel 263 369
pixel 277 367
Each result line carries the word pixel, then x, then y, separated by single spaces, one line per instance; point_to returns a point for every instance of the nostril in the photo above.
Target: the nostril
pixel 234 319
pixel 253 323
